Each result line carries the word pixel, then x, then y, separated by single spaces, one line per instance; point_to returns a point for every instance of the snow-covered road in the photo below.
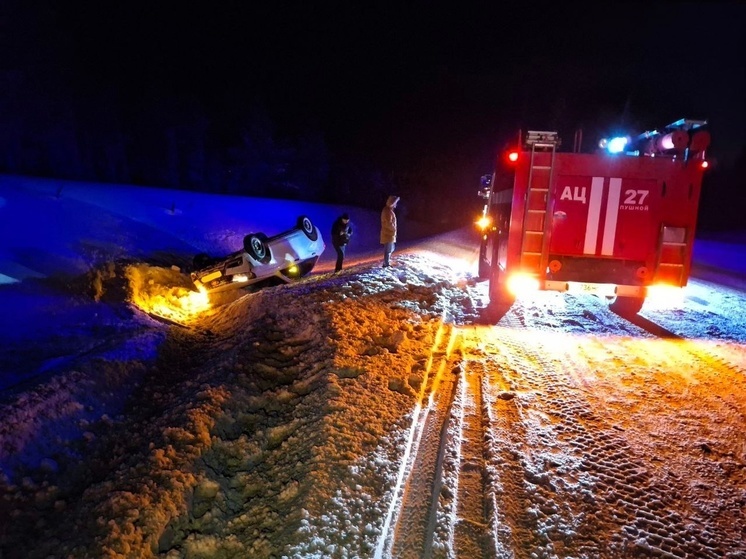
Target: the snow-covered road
pixel 373 414
pixel 543 443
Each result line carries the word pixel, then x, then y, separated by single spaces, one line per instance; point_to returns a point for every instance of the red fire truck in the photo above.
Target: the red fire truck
pixel 618 223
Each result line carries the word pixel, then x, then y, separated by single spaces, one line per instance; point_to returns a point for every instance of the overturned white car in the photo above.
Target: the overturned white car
pixel 284 257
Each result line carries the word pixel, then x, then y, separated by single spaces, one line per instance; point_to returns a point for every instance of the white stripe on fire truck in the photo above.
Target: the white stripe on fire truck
pixel 594 213
pixel 612 213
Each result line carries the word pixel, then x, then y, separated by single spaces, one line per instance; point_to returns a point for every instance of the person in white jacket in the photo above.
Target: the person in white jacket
pixel 388 229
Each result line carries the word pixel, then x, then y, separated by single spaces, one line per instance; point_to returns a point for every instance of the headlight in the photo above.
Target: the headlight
pixel 661 296
pixel 522 283
pixel 484 222
pixel 210 277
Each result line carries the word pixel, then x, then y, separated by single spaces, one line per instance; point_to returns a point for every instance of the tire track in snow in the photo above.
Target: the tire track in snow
pixel 589 493
pixel 710 359
pixel 507 501
pixel 533 427
pixel 472 534
pixel 412 517
pixel 707 357
pixel 658 379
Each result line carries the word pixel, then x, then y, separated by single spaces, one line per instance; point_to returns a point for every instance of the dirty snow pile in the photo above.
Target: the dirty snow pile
pixel 271 428
pixel 278 426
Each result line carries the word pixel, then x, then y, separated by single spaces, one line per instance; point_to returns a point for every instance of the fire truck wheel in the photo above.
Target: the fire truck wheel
pixel 496 309
pixel 626 305
pixel 501 299
pixel 484 269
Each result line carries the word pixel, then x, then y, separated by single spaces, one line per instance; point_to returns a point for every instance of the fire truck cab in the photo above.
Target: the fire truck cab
pixel 617 223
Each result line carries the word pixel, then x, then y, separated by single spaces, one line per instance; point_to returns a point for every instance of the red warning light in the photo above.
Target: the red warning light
pixel 512 156
pixel 704 164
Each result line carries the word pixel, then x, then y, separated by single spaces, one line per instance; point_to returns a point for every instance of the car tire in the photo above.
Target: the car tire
pixel 201 261
pixel 255 245
pixel 304 224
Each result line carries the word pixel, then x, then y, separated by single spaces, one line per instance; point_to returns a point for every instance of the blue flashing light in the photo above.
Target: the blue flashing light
pixel 617 145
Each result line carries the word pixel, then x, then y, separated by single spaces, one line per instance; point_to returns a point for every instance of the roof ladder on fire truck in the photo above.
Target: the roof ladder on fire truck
pixel 534 245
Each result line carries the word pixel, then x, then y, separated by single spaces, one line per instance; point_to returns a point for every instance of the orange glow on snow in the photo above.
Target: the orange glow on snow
pixel 452 256
pixel 175 303
pixel 157 291
pixel 571 353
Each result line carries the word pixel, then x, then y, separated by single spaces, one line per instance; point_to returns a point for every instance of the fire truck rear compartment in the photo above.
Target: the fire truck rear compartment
pixel 596 270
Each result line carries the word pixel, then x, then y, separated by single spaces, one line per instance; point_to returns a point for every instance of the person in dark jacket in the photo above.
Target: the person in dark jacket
pixel 341 233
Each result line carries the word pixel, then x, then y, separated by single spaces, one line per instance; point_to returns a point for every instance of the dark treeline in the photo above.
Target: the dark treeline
pixel 69 112
pixel 169 144
pixel 248 100
pixel 176 144
pixel 50 126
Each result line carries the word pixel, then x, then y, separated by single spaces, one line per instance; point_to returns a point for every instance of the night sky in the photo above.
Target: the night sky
pixel 399 82
pixel 368 72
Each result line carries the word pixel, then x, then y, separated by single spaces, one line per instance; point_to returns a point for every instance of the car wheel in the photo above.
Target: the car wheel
pixel 202 260
pixel 305 225
pixel 256 246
